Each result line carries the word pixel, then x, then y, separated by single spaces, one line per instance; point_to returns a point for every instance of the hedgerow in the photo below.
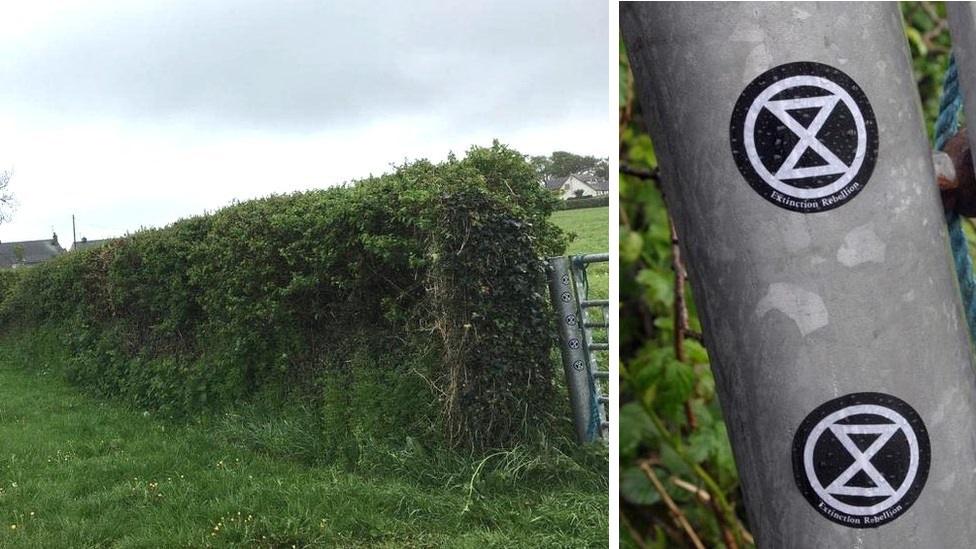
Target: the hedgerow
pixel 407 303
pixel 581 203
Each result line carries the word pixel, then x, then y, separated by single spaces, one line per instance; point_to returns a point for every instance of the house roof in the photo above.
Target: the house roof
pixel 593 181
pixel 556 183
pixel 33 251
pixel 84 243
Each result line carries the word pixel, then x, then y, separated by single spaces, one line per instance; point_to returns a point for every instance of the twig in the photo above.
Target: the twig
pixel 634 534
pixel 639 172
pixel 675 511
pixel 702 495
pixel 680 315
pixel 699 492
pixel 933 33
pixel 718 497
pixel 624 218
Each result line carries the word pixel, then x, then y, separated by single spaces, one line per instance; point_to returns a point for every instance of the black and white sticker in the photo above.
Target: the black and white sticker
pixel 804 136
pixel 862 459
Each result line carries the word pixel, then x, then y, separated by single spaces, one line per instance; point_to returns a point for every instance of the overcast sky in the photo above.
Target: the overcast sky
pixel 133 114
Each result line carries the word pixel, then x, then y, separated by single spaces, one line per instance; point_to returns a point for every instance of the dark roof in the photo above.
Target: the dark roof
pixel 33 251
pixel 556 183
pixel 593 181
pixel 84 244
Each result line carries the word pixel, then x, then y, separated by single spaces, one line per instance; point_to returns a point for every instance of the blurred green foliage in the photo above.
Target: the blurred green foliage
pixel 671 427
pixel 928 39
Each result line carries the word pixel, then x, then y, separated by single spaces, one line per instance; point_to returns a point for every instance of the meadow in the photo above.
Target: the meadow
pixel 79 471
pixel 592 229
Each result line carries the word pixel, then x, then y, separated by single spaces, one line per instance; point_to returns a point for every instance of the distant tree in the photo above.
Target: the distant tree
pixel 6 197
pixel 562 163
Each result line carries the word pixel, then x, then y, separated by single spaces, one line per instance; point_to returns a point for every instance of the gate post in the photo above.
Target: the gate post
pixel 796 168
pixel 568 321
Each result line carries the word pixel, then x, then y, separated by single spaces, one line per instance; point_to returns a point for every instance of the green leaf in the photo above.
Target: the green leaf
pixel 674 388
pixel 695 352
pixel 630 247
pixel 636 488
pixel 658 286
pixel 623 73
pixel 635 426
pixel 699 445
pixel 915 38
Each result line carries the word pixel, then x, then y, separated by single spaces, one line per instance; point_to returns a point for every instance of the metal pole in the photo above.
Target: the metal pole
pixel 798 174
pixel 571 344
pixel 599 377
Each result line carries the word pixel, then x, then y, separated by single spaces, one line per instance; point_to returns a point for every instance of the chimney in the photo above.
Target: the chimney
pixel 54 239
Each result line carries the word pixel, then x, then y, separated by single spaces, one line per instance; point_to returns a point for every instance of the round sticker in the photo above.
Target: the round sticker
pixel 862 459
pixel 804 136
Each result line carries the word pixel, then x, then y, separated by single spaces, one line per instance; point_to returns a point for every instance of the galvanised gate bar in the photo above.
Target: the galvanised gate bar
pixel 583 327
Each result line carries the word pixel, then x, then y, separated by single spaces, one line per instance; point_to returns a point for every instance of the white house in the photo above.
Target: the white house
pixel 578 186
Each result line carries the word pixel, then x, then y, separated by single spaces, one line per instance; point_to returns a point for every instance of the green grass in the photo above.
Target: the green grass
pixel 591 226
pixel 592 229
pixel 80 472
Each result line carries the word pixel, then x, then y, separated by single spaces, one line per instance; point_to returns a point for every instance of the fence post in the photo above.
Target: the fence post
pixel 795 165
pixel 568 322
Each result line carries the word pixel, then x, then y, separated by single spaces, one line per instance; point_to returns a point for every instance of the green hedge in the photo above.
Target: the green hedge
pixel 581 203
pixel 408 303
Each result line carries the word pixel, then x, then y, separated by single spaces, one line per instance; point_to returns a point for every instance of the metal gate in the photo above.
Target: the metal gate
pixel 583 333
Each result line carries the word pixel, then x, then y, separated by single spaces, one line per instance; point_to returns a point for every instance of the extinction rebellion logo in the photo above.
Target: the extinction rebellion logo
pixel 804 137
pixel 862 459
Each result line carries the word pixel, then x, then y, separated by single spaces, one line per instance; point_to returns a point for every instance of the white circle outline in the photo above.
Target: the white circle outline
pixel 848 411
pixel 759 103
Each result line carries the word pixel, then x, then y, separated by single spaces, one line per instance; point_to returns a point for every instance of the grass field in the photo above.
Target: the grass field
pixel 76 471
pixel 592 229
pixel 80 472
pixel 591 226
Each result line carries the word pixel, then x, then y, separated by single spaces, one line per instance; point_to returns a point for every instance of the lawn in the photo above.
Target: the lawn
pixel 592 229
pixel 81 472
pixel 591 225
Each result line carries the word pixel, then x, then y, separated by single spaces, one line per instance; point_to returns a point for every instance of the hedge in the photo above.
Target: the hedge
pixel 407 303
pixel 580 203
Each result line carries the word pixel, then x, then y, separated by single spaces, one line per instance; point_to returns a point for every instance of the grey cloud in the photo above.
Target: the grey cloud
pixel 299 66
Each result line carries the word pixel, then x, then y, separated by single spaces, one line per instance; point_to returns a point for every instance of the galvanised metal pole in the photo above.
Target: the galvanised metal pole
pixel 797 170
pixel 568 323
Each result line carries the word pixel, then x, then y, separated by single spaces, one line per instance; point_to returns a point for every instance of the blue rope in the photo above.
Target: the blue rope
pixel 593 431
pixel 945 127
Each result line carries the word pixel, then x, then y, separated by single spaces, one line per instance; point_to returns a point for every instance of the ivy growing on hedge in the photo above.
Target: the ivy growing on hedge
pixel 411 302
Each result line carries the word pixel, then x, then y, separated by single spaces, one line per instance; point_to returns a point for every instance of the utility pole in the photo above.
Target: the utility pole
pixel 74 236
pixel 796 168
